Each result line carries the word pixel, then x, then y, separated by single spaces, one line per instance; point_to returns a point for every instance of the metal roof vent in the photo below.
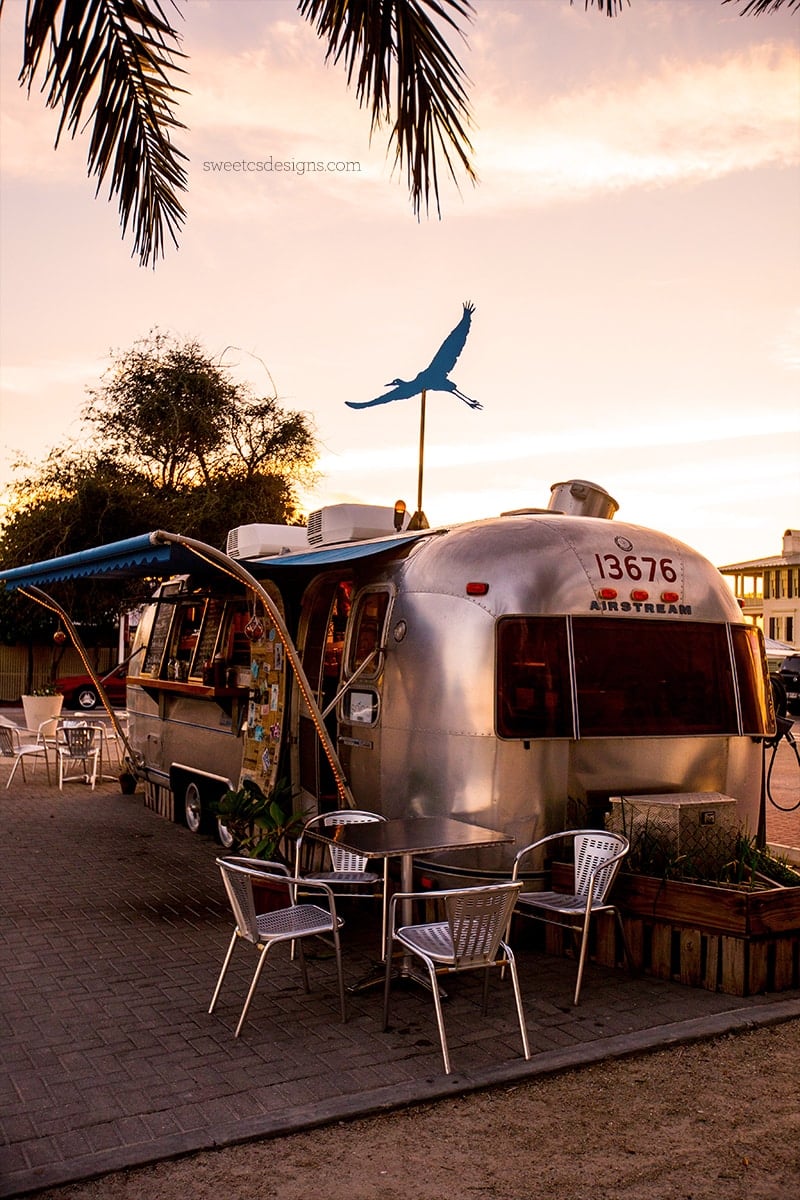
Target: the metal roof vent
pixel 579 498
pixel 349 523
pixel 261 541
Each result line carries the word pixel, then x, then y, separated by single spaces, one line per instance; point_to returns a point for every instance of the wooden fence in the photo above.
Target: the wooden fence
pixel 14 665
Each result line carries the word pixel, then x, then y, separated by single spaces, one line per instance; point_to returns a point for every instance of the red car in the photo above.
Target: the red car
pixel 80 692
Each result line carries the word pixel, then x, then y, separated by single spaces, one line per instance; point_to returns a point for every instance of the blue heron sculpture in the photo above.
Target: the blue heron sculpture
pixel 435 376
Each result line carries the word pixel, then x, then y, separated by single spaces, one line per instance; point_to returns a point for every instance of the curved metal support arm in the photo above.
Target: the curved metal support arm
pixel 349 683
pixel 35 593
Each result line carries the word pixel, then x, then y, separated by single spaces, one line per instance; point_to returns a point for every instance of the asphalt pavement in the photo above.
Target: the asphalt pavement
pixel 114 928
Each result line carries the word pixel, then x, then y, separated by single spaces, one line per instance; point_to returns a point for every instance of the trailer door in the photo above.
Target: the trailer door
pixel 326 607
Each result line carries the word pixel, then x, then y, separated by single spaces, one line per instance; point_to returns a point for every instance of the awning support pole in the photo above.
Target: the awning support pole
pixel 35 593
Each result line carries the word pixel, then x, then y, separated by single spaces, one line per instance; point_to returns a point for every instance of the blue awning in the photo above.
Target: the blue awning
pixel 147 557
pixel 330 555
pixel 133 557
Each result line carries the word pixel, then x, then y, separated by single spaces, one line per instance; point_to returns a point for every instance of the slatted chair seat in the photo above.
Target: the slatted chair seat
pixel 347 873
pixel 471 938
pixel 355 877
pixel 78 745
pixel 290 922
pixel 598 855
pixel 12 746
pixel 300 920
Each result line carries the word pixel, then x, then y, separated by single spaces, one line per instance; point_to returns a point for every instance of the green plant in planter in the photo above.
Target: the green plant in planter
pixel 753 863
pixel 261 826
pixel 47 689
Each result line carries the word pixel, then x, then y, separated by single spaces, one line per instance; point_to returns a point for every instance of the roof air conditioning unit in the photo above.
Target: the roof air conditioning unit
pixel 349 523
pixel 262 541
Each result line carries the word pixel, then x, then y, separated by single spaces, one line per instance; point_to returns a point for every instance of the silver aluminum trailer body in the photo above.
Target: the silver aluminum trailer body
pixel 492 671
pixel 433 745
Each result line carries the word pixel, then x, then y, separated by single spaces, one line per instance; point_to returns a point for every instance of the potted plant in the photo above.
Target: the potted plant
pixel 40 705
pixel 261 827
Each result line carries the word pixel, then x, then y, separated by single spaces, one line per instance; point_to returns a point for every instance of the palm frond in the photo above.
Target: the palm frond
pixel 609 7
pixel 756 8
pixel 406 73
pixel 118 54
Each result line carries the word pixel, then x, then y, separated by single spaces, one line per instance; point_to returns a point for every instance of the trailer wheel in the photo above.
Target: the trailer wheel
pixel 193 807
pixel 224 836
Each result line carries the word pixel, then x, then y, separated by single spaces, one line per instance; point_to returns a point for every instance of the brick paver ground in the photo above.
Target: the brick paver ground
pixel 114 925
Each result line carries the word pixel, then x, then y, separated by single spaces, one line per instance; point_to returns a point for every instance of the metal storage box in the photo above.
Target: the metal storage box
pixel 693 832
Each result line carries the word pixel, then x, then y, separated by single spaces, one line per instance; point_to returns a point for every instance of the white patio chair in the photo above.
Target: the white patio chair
pixel 597 857
pixel 288 923
pixel 348 874
pixel 79 744
pixel 470 938
pixel 12 746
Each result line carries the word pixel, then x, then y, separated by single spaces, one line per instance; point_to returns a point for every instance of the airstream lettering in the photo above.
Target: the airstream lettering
pixel 483 670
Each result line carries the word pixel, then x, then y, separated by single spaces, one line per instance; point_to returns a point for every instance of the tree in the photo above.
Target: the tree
pixel 168 410
pixel 70 502
pixel 163 406
pixel 171 443
pixel 121 56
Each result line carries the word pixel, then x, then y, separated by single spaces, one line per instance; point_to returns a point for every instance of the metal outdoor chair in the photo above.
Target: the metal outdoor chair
pixel 470 938
pixel 81 745
pixel 12 746
pixel 597 856
pixel 348 874
pixel 288 922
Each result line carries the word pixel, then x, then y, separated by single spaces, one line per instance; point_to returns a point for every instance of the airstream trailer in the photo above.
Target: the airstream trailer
pixel 516 671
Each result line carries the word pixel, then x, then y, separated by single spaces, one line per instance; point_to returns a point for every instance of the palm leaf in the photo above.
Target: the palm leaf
pixel 118 56
pixel 406 73
pixel 757 7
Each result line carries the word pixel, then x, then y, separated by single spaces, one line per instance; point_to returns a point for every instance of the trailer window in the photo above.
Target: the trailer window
pixel 755 693
pixel 645 678
pixel 533 690
pixel 184 636
pixel 367 626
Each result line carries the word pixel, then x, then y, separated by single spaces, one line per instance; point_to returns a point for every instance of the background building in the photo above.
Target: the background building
pixel 768 590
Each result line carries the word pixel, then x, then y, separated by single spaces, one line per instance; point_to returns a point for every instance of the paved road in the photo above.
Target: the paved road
pixel 114 927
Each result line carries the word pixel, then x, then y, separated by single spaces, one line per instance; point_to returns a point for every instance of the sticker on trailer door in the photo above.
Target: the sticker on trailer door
pixel 267 701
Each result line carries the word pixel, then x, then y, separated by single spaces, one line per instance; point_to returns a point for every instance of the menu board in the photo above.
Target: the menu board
pixel 160 633
pixel 158 640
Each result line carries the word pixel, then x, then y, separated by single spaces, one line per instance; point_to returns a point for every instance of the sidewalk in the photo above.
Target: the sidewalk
pixel 114 928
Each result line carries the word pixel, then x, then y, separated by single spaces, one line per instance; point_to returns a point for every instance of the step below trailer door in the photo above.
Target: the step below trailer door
pixel 326 608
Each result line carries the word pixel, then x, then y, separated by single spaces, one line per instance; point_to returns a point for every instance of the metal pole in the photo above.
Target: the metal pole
pixel 47 601
pixel 421 450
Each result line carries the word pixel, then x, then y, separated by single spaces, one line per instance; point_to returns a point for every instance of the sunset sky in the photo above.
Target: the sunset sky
pixel 632 250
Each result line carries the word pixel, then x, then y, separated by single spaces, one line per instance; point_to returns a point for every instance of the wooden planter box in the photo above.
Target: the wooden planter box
pixel 725 939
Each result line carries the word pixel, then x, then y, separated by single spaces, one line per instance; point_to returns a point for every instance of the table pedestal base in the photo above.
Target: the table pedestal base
pixel 405 970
